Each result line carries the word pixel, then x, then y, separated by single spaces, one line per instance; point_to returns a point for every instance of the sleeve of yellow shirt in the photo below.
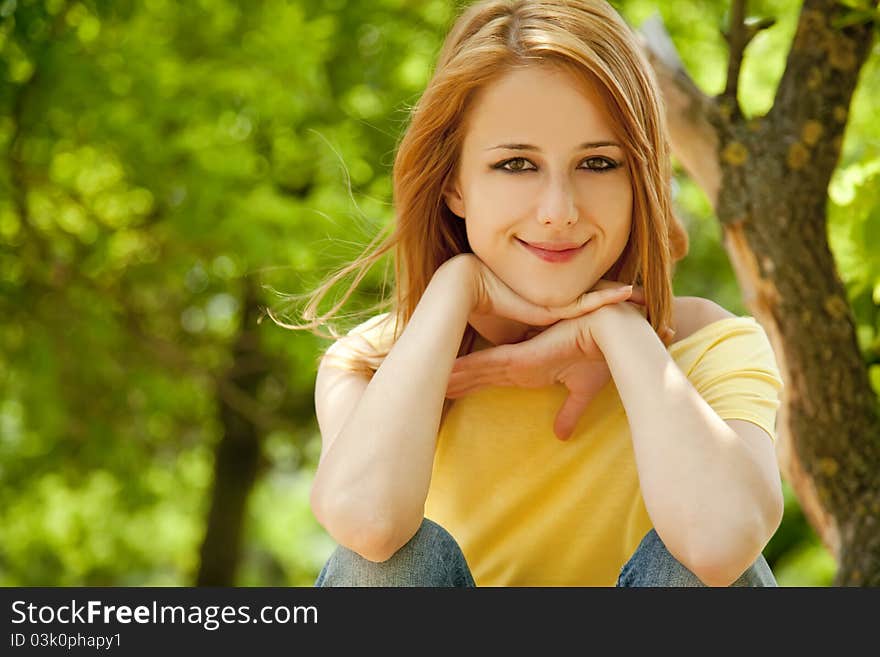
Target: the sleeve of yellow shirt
pixel 737 374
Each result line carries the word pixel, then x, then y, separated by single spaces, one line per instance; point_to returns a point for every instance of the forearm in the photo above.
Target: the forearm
pixel 375 477
pixel 701 483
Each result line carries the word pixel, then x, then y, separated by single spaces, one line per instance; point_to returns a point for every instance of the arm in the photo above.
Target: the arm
pixel 372 482
pixel 711 487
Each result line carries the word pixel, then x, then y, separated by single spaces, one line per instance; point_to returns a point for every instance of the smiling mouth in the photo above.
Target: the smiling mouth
pixel 553 250
pixel 550 255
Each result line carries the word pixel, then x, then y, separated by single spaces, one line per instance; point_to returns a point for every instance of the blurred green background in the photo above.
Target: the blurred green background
pixel 167 167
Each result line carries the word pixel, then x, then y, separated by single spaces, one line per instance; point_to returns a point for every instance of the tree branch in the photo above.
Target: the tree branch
pixel 736 41
pixel 742 31
pixel 690 114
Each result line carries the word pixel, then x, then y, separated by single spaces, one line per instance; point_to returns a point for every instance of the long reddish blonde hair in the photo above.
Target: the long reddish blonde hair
pixel 585 37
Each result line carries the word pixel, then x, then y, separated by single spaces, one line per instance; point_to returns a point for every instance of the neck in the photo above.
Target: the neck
pixel 499 330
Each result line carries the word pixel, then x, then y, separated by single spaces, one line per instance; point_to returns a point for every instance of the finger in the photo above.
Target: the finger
pixel 469 374
pixel 460 385
pixel 569 414
pixel 459 391
pixel 638 296
pixel 457 394
pixel 456 390
pixel 490 362
pixel 594 300
pixel 454 387
pixel 638 293
pixel 485 358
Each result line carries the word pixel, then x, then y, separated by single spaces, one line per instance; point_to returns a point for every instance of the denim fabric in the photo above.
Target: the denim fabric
pixel 432 558
pixel 653 565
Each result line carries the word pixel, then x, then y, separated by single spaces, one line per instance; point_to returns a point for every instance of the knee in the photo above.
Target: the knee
pixel 432 538
pixel 431 557
pixel 653 565
pixel 758 574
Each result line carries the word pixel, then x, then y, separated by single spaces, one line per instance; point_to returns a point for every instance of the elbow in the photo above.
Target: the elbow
pixel 723 564
pixel 372 547
pixel 381 549
pixel 367 538
pixel 723 570
pixel 360 531
pixel 373 541
pixel 720 564
pixel 719 573
pixel 732 551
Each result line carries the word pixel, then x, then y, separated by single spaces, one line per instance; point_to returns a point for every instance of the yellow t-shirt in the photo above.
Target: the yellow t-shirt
pixel 530 510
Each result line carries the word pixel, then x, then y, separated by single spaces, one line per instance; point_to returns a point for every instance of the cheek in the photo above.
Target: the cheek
pixel 609 202
pixel 498 190
pixel 625 210
pixel 493 204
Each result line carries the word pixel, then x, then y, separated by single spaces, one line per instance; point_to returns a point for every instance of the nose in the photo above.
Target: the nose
pixel 558 203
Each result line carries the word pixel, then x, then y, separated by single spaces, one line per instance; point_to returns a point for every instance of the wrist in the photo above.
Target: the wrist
pixel 607 321
pixel 458 274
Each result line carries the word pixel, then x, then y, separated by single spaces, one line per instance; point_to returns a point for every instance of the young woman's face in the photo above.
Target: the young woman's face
pixel 541 165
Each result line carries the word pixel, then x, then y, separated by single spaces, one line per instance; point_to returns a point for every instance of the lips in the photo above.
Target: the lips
pixel 554 252
pixel 555 246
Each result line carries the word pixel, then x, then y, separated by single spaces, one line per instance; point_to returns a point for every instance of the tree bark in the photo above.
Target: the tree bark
pixel 237 459
pixel 767 178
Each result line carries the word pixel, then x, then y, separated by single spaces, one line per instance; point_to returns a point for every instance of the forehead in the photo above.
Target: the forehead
pixel 543 105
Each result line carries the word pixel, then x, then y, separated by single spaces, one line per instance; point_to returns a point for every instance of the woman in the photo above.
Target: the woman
pixel 534 243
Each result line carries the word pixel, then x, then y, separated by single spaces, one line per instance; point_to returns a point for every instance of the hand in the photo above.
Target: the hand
pixel 563 353
pixel 492 296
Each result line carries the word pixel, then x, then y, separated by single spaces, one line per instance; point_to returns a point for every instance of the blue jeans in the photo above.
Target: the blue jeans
pixel 433 558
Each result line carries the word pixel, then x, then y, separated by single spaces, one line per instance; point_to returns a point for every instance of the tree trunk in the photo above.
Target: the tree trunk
pixel 767 178
pixel 237 459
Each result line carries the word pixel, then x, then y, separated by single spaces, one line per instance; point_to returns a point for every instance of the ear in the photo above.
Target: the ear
pixel 454 200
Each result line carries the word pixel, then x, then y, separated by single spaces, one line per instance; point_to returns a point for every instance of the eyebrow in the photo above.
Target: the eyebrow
pixel 529 147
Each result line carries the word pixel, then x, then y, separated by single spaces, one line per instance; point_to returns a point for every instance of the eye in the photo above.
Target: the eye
pixel 514 165
pixel 597 163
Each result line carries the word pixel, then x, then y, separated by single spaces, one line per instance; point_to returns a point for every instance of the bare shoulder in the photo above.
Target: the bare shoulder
pixel 690 314
pixel 362 339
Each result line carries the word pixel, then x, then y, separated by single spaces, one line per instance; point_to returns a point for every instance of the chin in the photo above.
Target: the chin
pixel 554 298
